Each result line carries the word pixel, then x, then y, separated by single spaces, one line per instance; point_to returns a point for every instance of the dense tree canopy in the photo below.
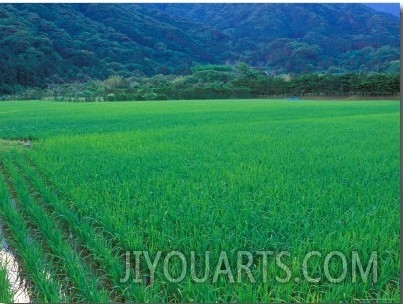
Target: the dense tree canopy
pixel 43 45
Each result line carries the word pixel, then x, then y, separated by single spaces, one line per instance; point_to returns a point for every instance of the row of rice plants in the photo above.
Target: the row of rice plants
pixel 36 266
pixel 101 246
pixel 6 294
pixel 101 253
pixel 74 275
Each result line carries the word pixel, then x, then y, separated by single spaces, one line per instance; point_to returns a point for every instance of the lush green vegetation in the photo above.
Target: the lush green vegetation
pixel 104 178
pixel 5 291
pixel 218 81
pixel 46 44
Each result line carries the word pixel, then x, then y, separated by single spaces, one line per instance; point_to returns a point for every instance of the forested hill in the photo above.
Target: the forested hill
pixel 301 37
pixel 55 43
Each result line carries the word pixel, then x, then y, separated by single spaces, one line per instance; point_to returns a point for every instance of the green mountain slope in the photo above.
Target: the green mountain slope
pixel 54 43
pixel 301 37
pixel 42 43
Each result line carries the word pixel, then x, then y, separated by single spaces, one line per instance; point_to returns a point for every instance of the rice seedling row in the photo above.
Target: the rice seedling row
pixel 98 249
pixel 6 294
pixel 37 267
pixel 98 244
pixel 76 276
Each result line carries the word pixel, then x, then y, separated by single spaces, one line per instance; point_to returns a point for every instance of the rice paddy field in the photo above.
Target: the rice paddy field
pixel 101 187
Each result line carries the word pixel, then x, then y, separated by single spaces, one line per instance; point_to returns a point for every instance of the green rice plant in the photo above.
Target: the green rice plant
pixel 6 295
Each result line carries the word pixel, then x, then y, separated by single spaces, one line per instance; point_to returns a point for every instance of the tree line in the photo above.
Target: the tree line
pixel 217 82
